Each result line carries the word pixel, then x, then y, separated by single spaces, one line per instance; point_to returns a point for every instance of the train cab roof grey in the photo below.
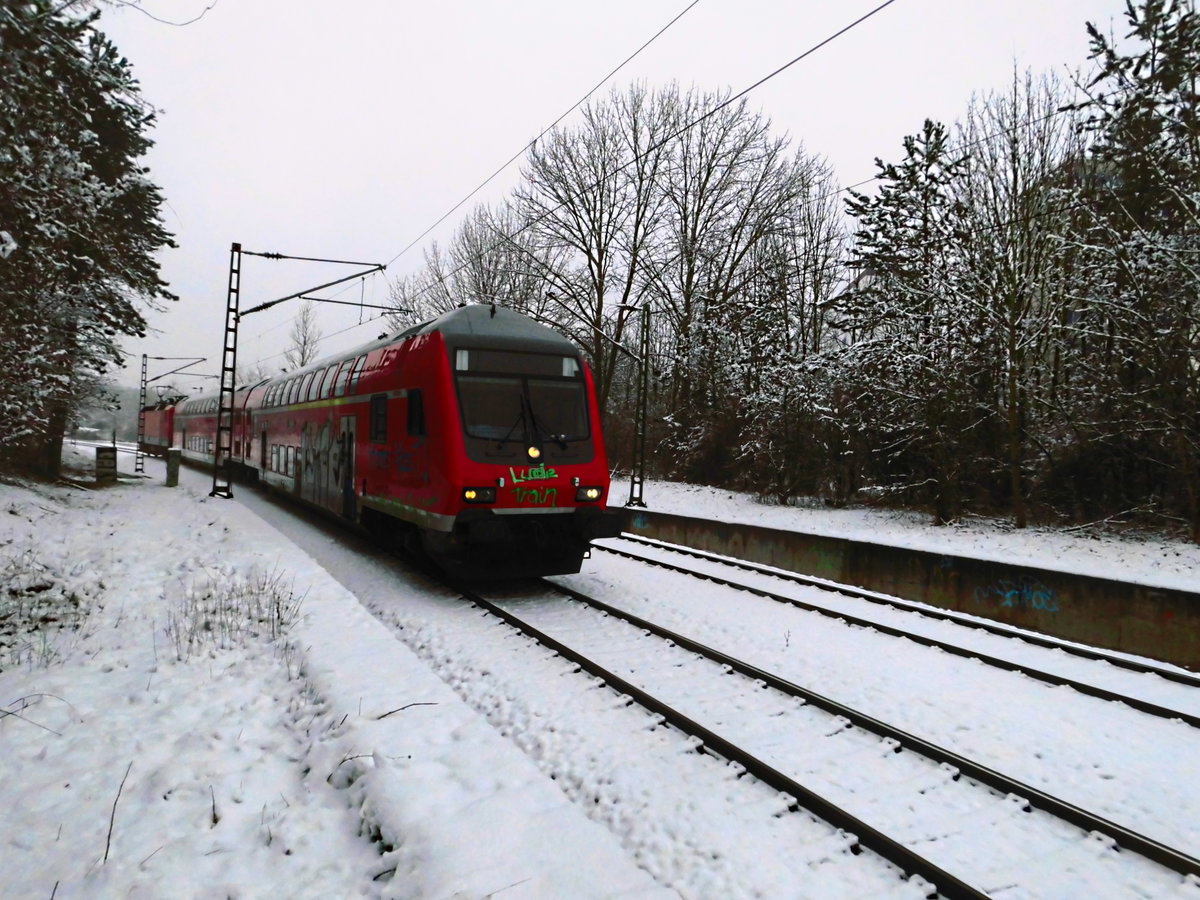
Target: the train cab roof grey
pixel 495 326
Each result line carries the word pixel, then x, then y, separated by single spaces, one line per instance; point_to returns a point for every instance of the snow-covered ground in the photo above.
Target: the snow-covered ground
pixel 166 733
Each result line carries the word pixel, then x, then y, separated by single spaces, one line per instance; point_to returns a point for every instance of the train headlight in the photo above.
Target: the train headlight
pixel 479 494
pixel 534 452
pixel 588 494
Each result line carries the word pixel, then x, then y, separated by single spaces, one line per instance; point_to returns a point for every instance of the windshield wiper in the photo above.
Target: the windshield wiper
pixel 508 435
pixel 539 430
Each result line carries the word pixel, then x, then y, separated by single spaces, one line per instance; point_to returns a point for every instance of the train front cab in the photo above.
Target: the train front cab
pixel 528 457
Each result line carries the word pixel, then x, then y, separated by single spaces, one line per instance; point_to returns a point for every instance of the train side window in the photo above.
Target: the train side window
pixel 379 423
pixel 343 378
pixel 306 387
pixel 327 381
pixel 416 413
pixel 293 386
pixel 356 373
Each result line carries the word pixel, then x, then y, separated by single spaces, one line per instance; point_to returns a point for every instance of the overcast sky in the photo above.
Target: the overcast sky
pixel 344 130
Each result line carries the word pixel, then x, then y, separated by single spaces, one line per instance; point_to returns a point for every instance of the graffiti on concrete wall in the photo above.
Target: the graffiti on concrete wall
pixel 1023 593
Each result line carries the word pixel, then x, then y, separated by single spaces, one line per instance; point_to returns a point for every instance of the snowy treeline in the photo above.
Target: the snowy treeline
pixel 80 219
pixel 1006 319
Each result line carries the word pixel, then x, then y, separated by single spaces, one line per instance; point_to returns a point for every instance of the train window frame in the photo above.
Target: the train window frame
pixel 342 379
pixel 415 413
pixel 306 387
pixel 530 374
pixel 356 373
pixel 379 419
pixel 293 387
pixel 327 382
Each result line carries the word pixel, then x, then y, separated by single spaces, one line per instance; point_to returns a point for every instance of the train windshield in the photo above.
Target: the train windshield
pixel 520 397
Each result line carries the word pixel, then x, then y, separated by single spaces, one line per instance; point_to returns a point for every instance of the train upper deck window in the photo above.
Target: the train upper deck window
pixel 356 373
pixel 327 381
pixel 343 378
pixel 306 387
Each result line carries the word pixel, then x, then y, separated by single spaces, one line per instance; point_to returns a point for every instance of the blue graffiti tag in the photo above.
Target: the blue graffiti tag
pixel 1025 593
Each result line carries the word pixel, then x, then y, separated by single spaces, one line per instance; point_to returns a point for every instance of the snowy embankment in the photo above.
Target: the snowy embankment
pixel 1146 560
pixel 202 711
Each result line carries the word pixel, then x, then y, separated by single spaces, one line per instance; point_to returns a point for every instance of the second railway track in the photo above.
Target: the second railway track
pixel 936 802
pixel 756 579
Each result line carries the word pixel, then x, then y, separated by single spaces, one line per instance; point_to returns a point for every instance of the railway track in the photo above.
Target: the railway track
pixel 943 789
pixel 716 570
pixel 595 749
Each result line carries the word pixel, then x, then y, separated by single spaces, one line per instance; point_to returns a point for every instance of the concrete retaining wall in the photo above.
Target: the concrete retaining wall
pixel 1154 622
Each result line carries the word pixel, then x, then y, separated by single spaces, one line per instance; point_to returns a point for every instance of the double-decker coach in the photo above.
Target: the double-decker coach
pixel 473 438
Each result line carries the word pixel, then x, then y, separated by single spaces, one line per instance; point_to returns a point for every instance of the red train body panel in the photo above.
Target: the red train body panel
pixel 474 438
pixel 159 430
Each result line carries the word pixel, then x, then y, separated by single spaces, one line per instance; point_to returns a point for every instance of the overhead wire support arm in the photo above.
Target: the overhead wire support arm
pixel 223 451
pixel 193 361
pixel 375 267
pixel 337 262
pixel 351 303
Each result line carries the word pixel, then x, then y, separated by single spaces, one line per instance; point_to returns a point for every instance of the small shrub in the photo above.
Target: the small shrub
pixel 230 611
pixel 37 603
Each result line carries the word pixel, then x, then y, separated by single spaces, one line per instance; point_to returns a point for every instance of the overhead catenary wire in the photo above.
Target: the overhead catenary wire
pixel 599 84
pixel 654 148
pixel 678 132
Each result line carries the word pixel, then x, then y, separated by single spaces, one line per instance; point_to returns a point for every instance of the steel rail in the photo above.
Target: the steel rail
pixel 1083 687
pixel 1124 837
pixel 1187 678
pixel 868 837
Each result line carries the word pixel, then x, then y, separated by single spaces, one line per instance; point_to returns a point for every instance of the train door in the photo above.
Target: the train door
pixel 346 450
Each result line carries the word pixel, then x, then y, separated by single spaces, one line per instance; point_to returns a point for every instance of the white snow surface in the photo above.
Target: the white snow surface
pixel 390 743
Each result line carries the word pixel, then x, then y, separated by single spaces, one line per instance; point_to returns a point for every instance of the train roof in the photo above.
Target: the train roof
pixel 494 326
pixel 478 325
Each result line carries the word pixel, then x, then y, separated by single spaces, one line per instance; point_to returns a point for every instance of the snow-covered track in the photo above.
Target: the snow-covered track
pixel 978 789
pixel 1089 822
pixel 1048 677
pixel 967 621
pixel 911 863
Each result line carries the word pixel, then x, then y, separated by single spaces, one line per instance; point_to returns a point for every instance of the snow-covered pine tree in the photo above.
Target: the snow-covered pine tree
pixel 907 325
pixel 82 213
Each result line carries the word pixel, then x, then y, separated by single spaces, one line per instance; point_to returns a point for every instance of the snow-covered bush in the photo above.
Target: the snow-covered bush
pixel 38 602
pixel 231 609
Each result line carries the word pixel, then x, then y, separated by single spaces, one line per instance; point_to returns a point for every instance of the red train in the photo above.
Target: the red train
pixel 473 439
pixel 159 429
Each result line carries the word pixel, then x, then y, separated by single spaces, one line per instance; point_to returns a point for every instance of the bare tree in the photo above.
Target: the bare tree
pixel 305 335
pixel 1013 278
pixel 589 203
